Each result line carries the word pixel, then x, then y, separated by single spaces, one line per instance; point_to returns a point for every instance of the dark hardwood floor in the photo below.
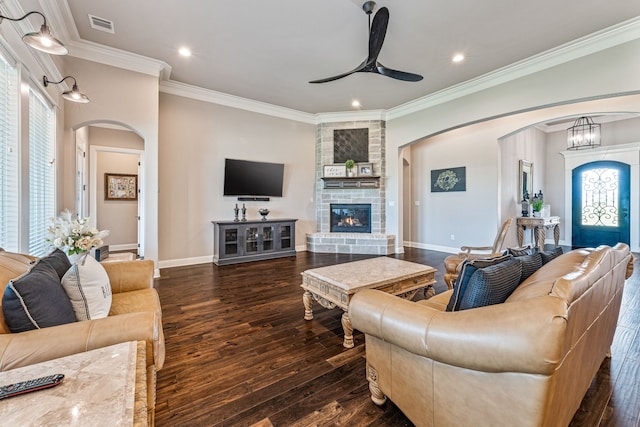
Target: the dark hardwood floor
pixel 240 354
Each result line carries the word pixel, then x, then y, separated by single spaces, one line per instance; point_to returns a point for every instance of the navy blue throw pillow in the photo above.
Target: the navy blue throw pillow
pixel 551 254
pixel 59 261
pixel 467 270
pixel 492 285
pixel 36 300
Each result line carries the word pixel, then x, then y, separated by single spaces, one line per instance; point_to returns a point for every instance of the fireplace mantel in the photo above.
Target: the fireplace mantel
pixel 350 183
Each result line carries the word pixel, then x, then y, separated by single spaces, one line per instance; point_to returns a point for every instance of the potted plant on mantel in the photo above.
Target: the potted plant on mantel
pixel 349 164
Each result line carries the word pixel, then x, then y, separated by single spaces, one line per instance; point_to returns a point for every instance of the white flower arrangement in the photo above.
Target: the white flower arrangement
pixel 74 235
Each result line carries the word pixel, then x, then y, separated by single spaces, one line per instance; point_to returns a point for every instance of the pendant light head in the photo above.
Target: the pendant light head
pixel 73 95
pixel 583 134
pixel 43 40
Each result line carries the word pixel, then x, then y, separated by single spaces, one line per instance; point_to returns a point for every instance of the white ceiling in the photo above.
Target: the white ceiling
pixel 268 51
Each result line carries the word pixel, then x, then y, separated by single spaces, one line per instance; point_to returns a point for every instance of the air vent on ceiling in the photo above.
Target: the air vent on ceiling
pixel 101 24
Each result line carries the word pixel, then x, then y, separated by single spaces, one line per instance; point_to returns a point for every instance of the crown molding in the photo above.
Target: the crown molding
pixel 596 42
pixel 118 58
pixel 351 116
pixel 194 92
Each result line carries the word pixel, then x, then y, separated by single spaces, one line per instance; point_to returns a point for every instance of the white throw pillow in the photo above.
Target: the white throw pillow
pixel 87 286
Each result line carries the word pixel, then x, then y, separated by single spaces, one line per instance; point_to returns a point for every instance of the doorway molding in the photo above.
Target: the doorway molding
pixel 623 153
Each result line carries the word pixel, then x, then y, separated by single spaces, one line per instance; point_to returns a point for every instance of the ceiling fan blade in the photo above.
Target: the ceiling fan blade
pixel 400 75
pixel 339 76
pixel 377 33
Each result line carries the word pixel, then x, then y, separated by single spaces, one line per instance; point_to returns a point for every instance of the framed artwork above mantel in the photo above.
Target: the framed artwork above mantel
pixel 120 186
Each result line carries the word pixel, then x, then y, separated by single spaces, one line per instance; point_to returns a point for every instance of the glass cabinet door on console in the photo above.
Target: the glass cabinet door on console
pixel 285 236
pixel 267 238
pixel 251 240
pixel 236 242
pixel 230 242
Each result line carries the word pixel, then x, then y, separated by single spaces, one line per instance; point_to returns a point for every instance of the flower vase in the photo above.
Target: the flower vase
pixel 74 258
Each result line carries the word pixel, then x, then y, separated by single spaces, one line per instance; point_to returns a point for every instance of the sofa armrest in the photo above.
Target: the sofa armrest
pixel 27 348
pixel 129 275
pixel 511 337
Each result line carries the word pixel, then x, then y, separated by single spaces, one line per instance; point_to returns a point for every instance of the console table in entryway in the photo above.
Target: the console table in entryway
pixel 539 226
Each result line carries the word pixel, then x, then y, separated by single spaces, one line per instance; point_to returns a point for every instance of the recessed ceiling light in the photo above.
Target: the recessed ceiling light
pixel 184 51
pixel 355 103
pixel 458 57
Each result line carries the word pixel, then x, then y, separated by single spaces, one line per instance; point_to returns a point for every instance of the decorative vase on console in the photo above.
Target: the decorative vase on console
pixel 75 236
pixel 264 213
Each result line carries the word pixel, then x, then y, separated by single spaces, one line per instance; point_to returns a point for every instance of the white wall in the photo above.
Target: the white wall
pixel 195 138
pixel 442 214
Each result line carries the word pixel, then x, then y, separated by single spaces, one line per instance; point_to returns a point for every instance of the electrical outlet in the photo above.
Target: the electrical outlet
pixel 453 237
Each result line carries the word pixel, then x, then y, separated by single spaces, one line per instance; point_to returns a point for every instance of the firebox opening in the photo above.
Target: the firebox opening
pixel 350 218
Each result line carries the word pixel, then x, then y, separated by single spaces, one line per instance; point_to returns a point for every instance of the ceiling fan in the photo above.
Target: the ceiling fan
pixel 377 31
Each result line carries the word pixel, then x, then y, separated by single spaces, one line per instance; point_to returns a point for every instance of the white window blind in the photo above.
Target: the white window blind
pixel 41 173
pixel 9 149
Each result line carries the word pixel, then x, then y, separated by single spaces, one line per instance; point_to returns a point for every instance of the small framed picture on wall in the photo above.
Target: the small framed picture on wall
pixel 120 186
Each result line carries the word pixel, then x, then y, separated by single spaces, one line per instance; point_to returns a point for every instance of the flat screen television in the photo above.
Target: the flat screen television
pixel 247 178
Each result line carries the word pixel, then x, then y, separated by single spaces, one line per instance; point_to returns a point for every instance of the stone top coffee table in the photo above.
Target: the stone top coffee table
pixel 333 286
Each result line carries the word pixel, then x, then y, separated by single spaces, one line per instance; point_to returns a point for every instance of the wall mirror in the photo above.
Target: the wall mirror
pixel 526 179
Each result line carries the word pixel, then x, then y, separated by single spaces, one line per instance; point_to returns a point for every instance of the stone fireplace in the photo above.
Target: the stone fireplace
pixel 350 218
pixel 352 238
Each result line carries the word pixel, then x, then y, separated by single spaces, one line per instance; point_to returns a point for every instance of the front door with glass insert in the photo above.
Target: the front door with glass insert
pixel 600 204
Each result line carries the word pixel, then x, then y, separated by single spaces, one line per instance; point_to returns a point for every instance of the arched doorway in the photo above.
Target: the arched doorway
pixel 601 204
pixel 108 148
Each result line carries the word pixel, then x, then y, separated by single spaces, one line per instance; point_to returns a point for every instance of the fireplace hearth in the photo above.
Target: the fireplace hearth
pixel 350 218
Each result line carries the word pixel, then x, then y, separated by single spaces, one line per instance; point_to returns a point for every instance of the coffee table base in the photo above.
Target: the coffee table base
pixel 308 297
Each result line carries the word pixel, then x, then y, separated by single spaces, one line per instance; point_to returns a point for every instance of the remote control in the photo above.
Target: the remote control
pixel 16 389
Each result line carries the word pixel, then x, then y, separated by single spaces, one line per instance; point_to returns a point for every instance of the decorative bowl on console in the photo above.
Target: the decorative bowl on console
pixel 264 213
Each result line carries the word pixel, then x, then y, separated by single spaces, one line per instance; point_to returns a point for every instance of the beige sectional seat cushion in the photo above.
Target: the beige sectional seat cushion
pixel 135 301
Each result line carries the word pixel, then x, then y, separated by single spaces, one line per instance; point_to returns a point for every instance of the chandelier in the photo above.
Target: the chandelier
pixel 583 134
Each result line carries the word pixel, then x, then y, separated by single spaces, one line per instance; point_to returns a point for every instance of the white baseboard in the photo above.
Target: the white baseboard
pixel 431 247
pixel 185 261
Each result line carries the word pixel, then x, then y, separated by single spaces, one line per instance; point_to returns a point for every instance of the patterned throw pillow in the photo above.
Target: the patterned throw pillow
pixel 530 264
pixel 469 267
pixel 551 254
pixel 521 251
pixel 36 300
pixel 492 285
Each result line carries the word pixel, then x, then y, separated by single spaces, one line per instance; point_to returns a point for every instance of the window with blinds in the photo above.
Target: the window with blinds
pixel 9 159
pixel 41 173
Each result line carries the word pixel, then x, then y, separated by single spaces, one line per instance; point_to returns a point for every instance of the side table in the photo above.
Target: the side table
pixel 99 389
pixel 538 225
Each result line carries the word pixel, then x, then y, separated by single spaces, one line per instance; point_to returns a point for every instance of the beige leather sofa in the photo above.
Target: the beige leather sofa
pixel 135 315
pixel 526 362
